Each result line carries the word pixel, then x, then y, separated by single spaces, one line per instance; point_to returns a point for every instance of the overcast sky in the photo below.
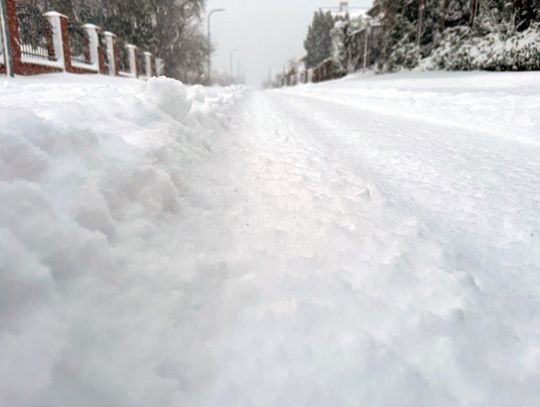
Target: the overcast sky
pixel 267 33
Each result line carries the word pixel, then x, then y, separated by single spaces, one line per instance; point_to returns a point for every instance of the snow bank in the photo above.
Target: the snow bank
pixel 169 96
pixel 499 104
pixel 92 170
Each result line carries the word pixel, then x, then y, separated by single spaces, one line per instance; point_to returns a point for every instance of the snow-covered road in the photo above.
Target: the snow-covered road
pixel 372 241
pixel 385 260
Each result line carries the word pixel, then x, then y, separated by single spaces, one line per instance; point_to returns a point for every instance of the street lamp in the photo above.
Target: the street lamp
pixel 217 10
pixel 371 24
pixel 5 36
pixel 234 51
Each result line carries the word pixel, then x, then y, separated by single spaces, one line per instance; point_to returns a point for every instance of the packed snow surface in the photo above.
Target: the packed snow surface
pixel 372 241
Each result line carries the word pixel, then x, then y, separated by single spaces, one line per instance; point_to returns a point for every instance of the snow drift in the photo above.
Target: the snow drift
pixel 372 241
pixel 91 171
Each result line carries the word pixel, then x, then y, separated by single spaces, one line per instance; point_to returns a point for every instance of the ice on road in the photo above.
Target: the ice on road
pixel 372 241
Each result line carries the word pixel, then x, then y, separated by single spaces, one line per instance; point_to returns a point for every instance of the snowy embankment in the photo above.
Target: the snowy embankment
pixel 91 172
pixel 372 241
pixel 496 104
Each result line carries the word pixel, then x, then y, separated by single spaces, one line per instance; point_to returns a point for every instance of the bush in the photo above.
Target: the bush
pixel 404 55
pixel 460 49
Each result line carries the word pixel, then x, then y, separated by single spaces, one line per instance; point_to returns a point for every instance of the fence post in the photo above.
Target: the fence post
pixel 93 44
pixel 148 64
pixel 60 38
pixel 132 54
pixel 110 40
pixel 101 57
pixel 159 67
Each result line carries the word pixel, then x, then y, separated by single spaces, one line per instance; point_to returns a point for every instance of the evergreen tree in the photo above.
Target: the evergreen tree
pixel 399 33
pixel 318 43
pixel 178 38
pixel 455 13
pixel 130 20
pixel 62 6
pixel 460 34
pixel 526 12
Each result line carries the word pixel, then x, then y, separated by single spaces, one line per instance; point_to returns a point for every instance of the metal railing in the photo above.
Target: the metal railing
pixel 141 64
pixel 105 55
pixel 38 43
pixel 123 57
pixel 79 44
pixel 35 33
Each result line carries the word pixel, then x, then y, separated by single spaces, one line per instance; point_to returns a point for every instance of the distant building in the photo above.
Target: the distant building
pixel 345 9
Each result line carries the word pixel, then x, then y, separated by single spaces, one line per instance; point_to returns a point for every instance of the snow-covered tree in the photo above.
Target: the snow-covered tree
pixel 527 12
pixel 399 27
pixel 340 51
pixel 178 37
pixel 461 34
pixel 318 43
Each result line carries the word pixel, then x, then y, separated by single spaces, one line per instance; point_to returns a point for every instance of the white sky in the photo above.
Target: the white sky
pixel 267 33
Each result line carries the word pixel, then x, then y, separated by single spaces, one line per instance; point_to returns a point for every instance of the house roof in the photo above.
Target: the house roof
pixel 352 12
pixel 345 9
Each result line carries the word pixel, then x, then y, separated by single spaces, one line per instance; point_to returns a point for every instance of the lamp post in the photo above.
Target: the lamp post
pixel 6 39
pixel 367 32
pixel 371 24
pixel 217 10
pixel 233 52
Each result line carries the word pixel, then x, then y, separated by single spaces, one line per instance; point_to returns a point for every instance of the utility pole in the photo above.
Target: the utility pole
pixel 209 18
pixel 6 39
pixel 474 13
pixel 420 27
pixel 367 32
pixel 239 74
pixel 234 51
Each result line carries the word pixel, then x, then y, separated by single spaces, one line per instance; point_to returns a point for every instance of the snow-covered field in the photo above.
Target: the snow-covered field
pixel 372 241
